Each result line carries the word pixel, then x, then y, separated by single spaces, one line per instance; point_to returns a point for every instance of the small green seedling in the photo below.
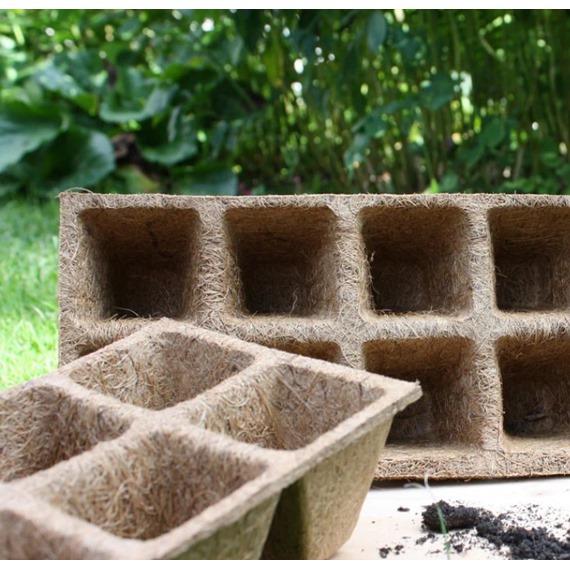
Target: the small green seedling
pixel 442 524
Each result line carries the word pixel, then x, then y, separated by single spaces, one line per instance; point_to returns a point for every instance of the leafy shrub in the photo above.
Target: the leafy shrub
pixel 256 101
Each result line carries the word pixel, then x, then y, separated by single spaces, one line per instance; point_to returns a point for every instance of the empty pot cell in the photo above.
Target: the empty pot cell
pixel 161 371
pixel 285 259
pixel 418 259
pixel 139 261
pixel 286 408
pixel 443 367
pixel 151 485
pixel 328 351
pixel 531 247
pixel 42 425
pixel 535 374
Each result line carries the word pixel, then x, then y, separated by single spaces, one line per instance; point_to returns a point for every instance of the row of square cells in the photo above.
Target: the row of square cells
pixel 418 259
pixel 459 388
pixel 528 389
pixel 534 375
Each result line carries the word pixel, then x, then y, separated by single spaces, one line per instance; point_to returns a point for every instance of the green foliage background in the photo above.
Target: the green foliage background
pixel 270 101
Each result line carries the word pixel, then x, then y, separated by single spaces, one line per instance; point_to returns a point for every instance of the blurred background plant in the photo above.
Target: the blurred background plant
pixel 281 101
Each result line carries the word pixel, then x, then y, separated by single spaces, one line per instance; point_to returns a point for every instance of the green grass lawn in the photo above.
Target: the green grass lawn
pixel 28 290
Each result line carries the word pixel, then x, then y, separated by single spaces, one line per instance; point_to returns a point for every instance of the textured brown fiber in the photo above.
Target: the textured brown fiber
pixel 176 442
pixel 466 293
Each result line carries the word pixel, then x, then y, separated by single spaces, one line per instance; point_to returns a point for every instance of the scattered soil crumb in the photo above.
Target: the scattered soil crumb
pixel 384 551
pixel 525 544
pixel 425 538
pixel 403 509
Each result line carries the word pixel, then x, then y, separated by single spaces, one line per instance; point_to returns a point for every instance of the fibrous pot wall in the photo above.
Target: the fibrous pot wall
pixel 466 294
pixel 176 442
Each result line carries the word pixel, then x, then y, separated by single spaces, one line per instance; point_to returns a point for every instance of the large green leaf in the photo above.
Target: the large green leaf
pixel 231 101
pixel 135 98
pixel 274 59
pixel 224 137
pixel 357 151
pixel 471 155
pixel 449 183
pixel 86 157
pixel 377 30
pixel 56 80
pixel 391 107
pixel 78 157
pixel 564 174
pixel 373 125
pixel 306 42
pixel 171 141
pixel 523 185
pixel 493 133
pixel 438 91
pixel 410 47
pixel 114 110
pixel 24 128
pixel 249 24
pixel 131 180
pixel 212 179
pixel 232 50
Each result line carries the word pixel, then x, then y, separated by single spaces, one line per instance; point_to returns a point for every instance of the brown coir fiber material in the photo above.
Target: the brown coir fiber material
pixel 536 386
pixel 161 372
pixel 444 366
pixel 430 288
pixel 191 437
pixel 142 262
pixel 155 492
pixel 532 258
pixel 418 259
pixel 149 484
pixel 284 407
pixel 41 425
pixel 328 351
pixel 283 258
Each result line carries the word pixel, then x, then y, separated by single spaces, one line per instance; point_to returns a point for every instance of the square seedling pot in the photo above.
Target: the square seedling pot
pixel 466 294
pixel 86 476
pixel 177 444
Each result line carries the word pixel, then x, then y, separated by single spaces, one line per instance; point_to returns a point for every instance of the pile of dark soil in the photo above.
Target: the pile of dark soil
pixel 453 517
pixel 534 543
